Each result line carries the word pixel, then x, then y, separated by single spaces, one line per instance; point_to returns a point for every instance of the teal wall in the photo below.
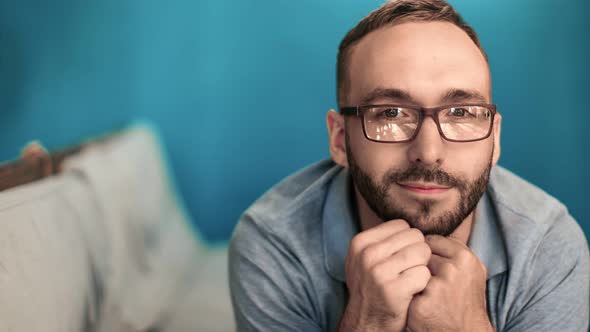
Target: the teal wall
pixel 240 89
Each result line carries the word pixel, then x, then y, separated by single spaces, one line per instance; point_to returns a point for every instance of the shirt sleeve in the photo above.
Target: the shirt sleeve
pixel 558 285
pixel 270 289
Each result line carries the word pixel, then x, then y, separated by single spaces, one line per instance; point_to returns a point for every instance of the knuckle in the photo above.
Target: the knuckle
pixel 416 234
pixel 414 255
pixel 425 251
pixel 422 277
pixel 465 257
pixel 366 257
pixel 423 272
pixel 449 270
pixel 355 244
pixel 401 223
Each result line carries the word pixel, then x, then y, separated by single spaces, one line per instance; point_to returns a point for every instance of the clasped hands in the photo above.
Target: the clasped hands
pixel 400 280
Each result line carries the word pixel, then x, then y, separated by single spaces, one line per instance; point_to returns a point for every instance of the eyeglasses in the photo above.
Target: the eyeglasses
pixel 399 123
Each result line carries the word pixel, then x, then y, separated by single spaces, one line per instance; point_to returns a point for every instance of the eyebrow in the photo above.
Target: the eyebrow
pixel 392 93
pixel 452 95
pixel 461 95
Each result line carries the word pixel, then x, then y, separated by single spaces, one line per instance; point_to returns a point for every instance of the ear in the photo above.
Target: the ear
pixel 496 132
pixel 336 135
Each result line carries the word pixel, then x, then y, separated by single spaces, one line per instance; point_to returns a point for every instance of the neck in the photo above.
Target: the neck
pixel 368 219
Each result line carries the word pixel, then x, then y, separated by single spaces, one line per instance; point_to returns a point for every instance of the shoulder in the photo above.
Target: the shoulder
pixel 513 193
pixel 288 214
pixel 274 254
pixel 528 210
pixel 541 237
pixel 547 252
pixel 296 200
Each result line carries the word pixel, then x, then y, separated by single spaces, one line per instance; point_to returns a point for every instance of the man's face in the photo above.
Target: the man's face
pixel 431 183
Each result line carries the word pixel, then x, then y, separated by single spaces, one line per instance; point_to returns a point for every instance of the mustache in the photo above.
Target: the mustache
pixel 420 173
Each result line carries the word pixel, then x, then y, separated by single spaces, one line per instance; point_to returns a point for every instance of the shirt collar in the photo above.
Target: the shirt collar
pixel 340 226
pixel 486 241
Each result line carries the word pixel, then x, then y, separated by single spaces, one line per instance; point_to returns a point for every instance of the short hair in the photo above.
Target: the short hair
pixel 391 13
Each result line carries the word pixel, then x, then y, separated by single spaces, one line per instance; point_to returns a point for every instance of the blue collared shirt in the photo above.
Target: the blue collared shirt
pixel 288 252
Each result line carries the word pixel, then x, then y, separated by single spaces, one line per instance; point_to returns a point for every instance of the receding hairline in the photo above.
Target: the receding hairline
pixel 424 11
pixel 349 47
pixel 352 47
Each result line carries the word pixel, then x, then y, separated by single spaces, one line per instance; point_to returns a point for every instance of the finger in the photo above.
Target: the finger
pixel 376 234
pixel 434 286
pixel 411 256
pixel 414 280
pixel 438 265
pixel 445 247
pixel 381 250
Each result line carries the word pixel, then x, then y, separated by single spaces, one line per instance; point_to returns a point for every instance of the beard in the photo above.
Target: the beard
pixel 376 194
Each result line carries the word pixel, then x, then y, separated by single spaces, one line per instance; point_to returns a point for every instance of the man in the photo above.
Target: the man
pixel 411 225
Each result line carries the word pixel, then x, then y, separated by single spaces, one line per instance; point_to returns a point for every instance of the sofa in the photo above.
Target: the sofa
pixel 105 244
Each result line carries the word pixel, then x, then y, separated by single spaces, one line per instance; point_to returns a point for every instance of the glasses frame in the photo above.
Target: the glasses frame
pixel 423 112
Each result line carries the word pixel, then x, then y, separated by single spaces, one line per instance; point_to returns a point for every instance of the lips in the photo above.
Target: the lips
pixel 424 188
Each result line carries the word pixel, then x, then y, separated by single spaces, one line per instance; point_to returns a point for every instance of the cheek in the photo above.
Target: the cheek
pixel 470 159
pixel 372 157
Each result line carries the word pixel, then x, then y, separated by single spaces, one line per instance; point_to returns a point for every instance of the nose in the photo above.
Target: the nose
pixel 428 147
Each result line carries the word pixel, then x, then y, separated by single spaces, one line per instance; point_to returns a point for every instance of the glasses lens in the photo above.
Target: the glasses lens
pixel 390 124
pixel 464 123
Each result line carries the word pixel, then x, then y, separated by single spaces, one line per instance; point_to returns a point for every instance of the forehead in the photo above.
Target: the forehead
pixel 424 59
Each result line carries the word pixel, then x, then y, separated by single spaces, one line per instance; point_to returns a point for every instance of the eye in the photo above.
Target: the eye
pixel 391 113
pixel 458 112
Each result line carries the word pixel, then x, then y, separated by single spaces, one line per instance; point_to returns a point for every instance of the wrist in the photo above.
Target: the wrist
pixel 353 321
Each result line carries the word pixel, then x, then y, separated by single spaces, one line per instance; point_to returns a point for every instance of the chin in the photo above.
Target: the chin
pixel 443 224
pixel 428 219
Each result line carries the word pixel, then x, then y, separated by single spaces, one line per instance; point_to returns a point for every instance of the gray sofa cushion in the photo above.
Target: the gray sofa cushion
pixel 106 246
